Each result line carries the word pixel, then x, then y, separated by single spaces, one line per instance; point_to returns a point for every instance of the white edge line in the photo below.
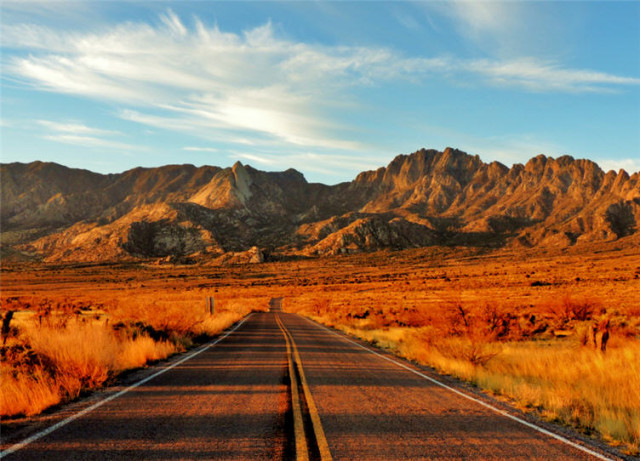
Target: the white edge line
pixel 473 399
pixel 64 422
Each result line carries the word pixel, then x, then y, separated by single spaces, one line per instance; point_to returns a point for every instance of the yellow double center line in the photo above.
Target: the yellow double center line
pixel 302 446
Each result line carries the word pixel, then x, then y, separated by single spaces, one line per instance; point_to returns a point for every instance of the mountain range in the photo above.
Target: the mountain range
pixel 241 214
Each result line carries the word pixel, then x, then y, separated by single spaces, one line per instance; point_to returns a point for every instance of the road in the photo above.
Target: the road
pixel 282 387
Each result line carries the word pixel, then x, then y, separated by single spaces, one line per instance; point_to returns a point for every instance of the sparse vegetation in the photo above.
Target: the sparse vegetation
pixel 570 351
pixel 467 313
pixel 47 364
pixel 563 381
pixel 57 347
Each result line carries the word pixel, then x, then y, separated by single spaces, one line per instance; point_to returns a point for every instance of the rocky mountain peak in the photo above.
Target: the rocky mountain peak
pixel 293 175
pixel 242 182
pixel 428 197
pixel 407 169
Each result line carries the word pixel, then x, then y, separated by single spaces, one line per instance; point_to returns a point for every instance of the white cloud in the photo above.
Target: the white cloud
pixel 200 149
pixel 89 141
pixel 254 86
pixel 537 75
pixel 484 16
pixel 506 28
pixel 173 23
pixel 630 165
pixel 255 158
pixel 74 11
pixel 75 128
pixel 78 134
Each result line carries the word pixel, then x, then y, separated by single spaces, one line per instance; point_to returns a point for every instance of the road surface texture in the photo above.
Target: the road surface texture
pixel 282 387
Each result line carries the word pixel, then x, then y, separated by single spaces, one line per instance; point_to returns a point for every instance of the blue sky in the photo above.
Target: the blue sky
pixel 328 88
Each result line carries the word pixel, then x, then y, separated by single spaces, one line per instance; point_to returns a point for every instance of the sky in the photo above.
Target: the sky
pixel 327 88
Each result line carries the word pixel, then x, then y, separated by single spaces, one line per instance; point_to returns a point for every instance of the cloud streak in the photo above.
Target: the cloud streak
pixel 79 134
pixel 253 86
pixel 200 149
pixel 74 128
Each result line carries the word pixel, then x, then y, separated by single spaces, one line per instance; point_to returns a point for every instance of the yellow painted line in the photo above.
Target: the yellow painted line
pixel 323 445
pixel 321 439
pixel 302 449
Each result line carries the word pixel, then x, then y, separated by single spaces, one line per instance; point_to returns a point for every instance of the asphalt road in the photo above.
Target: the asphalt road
pixel 291 389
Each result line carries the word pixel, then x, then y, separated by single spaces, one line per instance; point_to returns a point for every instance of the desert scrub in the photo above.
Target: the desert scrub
pixel 53 359
pixel 46 365
pixel 591 390
pixel 563 379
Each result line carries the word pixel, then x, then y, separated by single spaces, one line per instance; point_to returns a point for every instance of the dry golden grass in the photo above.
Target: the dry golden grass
pixel 487 321
pixel 56 363
pixel 27 392
pixel 516 324
pixel 565 381
pixel 59 346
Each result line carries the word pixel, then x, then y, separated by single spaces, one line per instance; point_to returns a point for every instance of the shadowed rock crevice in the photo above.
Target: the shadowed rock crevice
pixel 621 217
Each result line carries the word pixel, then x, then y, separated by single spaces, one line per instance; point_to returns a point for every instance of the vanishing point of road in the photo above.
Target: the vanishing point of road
pixel 279 386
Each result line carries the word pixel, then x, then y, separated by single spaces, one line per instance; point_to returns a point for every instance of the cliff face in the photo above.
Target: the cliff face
pixel 426 198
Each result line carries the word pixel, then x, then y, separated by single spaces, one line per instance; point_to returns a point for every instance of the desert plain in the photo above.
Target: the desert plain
pixel 552 332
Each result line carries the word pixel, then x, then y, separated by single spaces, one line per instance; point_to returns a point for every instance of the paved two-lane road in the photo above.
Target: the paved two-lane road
pixel 233 401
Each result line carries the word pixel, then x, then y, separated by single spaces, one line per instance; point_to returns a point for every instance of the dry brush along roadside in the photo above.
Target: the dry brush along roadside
pixel 572 362
pixel 56 351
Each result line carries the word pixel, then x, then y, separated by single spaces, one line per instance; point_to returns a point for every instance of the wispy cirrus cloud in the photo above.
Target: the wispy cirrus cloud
pixel 78 134
pixel 89 141
pixel 540 75
pixel 74 128
pixel 254 86
pixel 497 18
pixel 200 149
pixel 510 28
pixel 260 159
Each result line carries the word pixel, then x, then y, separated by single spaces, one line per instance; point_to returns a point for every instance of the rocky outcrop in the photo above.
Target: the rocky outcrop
pixel 425 198
pixel 253 255
pixel 161 238
pixel 374 233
